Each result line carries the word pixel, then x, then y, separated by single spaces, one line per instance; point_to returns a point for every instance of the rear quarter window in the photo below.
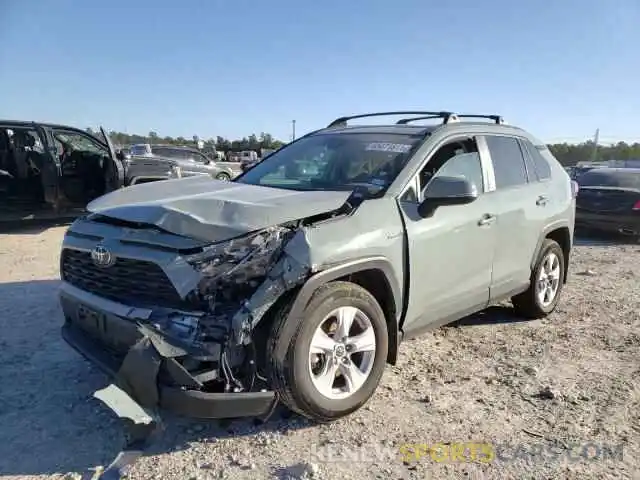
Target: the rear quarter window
pixel 540 164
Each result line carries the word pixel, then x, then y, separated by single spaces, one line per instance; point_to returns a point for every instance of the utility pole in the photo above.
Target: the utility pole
pixel 596 139
pixel 293 128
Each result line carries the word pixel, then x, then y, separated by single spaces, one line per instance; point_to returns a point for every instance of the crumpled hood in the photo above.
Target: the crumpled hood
pixel 207 209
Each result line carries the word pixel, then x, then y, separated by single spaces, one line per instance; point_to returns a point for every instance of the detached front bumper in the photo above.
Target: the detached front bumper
pixel 112 338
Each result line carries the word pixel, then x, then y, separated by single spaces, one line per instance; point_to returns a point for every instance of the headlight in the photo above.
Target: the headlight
pixel 241 259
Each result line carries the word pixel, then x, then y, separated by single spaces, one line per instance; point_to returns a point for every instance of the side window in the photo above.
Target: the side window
pixel 26 140
pixel 528 161
pixel 77 141
pixel 161 151
pixel 409 195
pixel 199 157
pixel 173 153
pixel 178 153
pixel 542 168
pixel 508 161
pixel 465 165
pixel 455 159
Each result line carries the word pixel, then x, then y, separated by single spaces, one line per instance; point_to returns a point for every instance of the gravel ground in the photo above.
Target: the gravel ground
pixel 531 392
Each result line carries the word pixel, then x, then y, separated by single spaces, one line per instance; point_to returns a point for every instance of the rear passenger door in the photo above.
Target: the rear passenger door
pixel 519 204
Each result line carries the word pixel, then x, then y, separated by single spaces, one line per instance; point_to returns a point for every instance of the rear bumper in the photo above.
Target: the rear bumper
pixel 622 224
pixel 176 397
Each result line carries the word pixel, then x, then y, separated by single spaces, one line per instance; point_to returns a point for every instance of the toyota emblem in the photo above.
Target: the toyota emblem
pixel 102 257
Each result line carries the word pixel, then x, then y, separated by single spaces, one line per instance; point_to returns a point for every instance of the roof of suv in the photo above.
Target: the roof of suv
pixel 448 120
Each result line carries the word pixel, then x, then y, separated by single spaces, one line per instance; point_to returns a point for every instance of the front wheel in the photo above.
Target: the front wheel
pixel 328 362
pixel 223 177
pixel 547 279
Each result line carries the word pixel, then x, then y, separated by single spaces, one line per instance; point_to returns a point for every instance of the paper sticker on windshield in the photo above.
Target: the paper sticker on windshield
pixel 389 147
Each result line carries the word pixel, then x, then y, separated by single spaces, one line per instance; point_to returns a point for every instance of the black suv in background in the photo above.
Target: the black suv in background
pixel 609 201
pixel 49 170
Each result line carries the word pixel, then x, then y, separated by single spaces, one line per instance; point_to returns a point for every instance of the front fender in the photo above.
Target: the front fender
pixel 343 271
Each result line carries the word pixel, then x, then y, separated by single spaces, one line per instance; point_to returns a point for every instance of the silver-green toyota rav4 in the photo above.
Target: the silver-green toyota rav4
pixel 298 281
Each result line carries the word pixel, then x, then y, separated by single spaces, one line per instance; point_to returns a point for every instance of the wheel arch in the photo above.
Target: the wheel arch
pixel 377 276
pixel 561 233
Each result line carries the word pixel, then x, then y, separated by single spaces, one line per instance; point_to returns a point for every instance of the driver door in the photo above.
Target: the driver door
pixel 51 171
pixel 451 251
pixel 115 170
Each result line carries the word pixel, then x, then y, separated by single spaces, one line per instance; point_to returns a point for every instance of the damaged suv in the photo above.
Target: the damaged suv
pixel 218 299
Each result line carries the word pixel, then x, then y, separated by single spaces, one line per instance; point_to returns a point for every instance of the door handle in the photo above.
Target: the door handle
pixel 542 201
pixel 487 219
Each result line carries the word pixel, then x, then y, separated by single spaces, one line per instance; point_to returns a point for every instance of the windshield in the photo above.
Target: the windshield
pixel 336 161
pixel 603 178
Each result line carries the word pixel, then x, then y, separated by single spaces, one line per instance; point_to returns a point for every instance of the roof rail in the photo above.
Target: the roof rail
pixel 447 117
pixel 450 118
pixel 342 121
pixel 496 118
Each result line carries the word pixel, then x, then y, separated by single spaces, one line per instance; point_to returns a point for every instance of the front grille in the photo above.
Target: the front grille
pixel 133 282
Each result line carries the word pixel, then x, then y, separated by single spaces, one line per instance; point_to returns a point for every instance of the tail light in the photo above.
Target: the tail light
pixel 575 188
pixel 636 206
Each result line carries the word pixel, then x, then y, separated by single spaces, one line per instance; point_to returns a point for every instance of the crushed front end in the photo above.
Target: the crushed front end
pixel 170 318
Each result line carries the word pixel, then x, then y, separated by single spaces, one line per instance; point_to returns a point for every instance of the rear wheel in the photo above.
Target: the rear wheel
pixel 328 362
pixel 223 177
pixel 547 279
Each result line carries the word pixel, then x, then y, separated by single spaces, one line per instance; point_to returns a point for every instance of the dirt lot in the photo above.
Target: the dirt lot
pixel 536 391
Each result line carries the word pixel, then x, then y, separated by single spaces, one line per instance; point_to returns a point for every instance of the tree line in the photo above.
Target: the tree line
pixel 567 153
pixel 221 144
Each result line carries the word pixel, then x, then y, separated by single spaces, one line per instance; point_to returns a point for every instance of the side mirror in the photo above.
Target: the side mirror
pixel 443 191
pixel 123 155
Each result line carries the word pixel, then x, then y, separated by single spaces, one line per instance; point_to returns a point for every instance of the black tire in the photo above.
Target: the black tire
pixel 288 352
pixel 527 304
pixel 223 177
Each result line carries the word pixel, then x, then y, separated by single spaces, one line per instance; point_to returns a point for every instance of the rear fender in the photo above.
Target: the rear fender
pixel 561 232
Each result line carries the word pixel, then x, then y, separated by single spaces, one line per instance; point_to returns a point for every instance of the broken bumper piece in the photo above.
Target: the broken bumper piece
pixel 137 375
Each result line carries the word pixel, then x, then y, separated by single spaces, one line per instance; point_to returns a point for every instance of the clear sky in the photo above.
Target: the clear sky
pixel 560 68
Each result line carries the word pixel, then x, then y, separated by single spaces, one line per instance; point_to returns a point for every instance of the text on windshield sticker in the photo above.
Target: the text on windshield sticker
pixel 389 147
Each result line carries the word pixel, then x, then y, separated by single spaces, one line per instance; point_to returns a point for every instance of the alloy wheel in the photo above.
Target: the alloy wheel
pixel 548 280
pixel 342 352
